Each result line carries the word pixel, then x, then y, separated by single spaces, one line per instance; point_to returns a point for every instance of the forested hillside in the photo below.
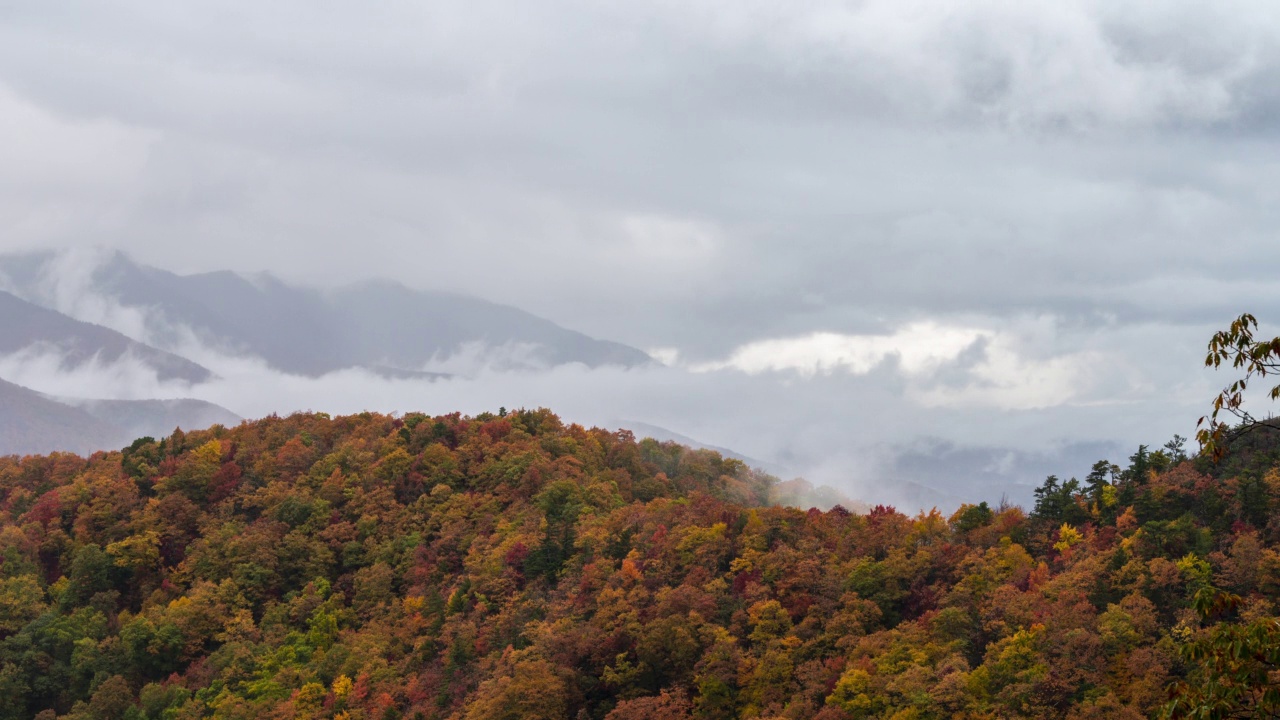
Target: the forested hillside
pixel 511 566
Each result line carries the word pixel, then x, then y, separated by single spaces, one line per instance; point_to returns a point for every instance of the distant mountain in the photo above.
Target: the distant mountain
pixel 932 472
pixel 156 418
pixel 791 491
pixel 801 493
pixel 911 497
pixel 379 325
pixel 927 474
pixel 34 423
pixel 661 434
pixel 390 324
pixel 26 326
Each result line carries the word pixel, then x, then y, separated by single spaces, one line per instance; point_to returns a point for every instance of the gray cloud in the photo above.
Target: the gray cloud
pixel 1082 179
pixel 868 434
pixel 974 410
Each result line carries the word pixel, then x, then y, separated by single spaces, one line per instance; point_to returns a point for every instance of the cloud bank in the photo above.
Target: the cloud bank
pixel 966 411
pixel 844 225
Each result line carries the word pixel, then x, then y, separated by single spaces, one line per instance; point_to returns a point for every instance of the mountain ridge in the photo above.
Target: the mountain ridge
pixel 33 423
pixel 30 327
pixel 310 331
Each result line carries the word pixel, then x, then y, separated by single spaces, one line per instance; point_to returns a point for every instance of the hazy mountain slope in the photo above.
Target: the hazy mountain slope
pixel 24 325
pixel 157 418
pixel 392 324
pixel 34 423
pixel 30 424
pixel 924 476
pixel 792 491
pixel 308 331
pixel 944 474
pixel 288 327
pixel 661 434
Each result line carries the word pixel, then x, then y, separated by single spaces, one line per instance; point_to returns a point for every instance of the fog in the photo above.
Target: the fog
pixel 989 407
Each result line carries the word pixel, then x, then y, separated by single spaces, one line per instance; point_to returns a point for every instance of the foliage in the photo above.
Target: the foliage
pixel 1234 664
pixel 1257 358
pixel 510 565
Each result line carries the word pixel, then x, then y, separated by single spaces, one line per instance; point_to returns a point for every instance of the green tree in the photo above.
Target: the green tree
pixel 1056 501
pixel 1237 347
pixel 1232 664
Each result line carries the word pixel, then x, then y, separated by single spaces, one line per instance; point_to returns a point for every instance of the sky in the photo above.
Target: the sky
pixel 843 226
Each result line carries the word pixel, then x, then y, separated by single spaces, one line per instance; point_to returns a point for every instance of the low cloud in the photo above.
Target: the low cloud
pixel 977 419
pixel 476 357
pixel 46 369
pixel 940 365
pixel 917 349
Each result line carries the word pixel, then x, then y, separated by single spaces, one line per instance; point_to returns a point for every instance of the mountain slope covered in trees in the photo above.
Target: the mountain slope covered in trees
pixel 514 567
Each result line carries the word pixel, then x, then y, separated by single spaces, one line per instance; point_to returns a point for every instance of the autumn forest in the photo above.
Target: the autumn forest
pixel 513 566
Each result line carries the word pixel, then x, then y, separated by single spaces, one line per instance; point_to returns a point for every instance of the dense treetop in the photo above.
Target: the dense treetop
pixel 512 566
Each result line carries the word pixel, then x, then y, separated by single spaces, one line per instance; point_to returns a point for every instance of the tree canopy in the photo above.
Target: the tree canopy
pixel 515 566
pixel 504 566
pixel 1237 347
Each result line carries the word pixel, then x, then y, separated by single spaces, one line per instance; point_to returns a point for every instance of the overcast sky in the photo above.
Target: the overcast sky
pixel 1018 217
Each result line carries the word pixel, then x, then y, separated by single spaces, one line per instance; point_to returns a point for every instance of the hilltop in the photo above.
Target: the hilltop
pixel 512 566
